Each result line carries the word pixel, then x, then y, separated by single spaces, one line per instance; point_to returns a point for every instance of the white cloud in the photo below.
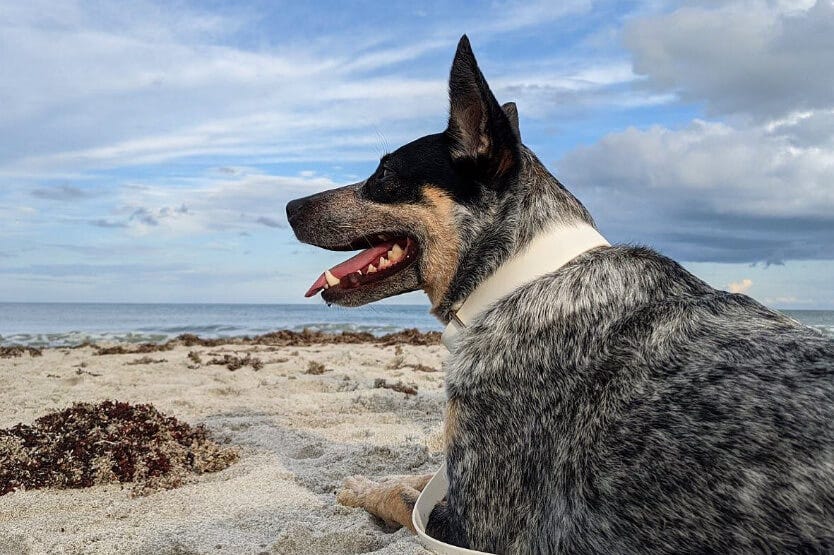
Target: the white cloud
pixel 756 58
pixel 755 187
pixel 710 191
pixel 229 202
pixel 515 15
pixel 746 172
pixel 119 86
pixel 740 286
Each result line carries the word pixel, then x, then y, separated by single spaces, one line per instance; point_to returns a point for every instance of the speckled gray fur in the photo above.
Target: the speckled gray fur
pixel 502 224
pixel 621 405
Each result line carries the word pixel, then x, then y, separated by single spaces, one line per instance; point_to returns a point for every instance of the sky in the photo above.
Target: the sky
pixel 147 150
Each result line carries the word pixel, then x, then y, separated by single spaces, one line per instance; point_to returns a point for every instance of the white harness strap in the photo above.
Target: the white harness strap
pixel 546 253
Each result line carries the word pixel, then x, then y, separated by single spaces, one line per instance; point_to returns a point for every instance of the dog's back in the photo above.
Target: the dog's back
pixel 621 405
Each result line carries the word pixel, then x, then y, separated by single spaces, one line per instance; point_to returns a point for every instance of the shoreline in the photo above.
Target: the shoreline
pixel 305 410
pixel 281 337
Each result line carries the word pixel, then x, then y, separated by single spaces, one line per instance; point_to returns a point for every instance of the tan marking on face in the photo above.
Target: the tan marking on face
pixel 441 248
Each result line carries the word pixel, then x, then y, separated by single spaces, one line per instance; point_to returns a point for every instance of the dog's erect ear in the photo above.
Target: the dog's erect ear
pixel 481 133
pixel 511 111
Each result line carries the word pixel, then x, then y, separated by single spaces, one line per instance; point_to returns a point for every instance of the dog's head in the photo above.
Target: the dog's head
pixel 417 215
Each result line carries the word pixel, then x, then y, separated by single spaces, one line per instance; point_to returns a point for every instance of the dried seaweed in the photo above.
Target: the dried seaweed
pixel 315 368
pixel 14 351
pixel 145 360
pixel 280 338
pixel 108 442
pixel 408 389
pixel 422 367
pixel 234 362
pixel 140 348
pixel 410 336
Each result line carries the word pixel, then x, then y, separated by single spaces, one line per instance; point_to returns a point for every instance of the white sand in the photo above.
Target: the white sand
pixel 299 436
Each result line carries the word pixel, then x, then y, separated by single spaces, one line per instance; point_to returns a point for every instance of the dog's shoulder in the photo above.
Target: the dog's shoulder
pixel 703 399
pixel 570 313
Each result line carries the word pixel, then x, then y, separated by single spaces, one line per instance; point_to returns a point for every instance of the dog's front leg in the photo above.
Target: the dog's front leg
pixel 392 499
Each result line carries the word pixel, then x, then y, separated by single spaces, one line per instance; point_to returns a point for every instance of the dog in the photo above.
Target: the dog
pixel 618 404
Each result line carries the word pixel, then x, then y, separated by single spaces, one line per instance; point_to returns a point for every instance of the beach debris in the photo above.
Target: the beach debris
pixel 408 389
pixel 14 351
pixel 107 442
pixel 234 362
pixel 145 360
pixel 422 368
pixel 396 363
pixel 315 368
pixel 347 385
pixel 138 349
pixel 81 371
pixel 83 345
pixel 194 357
pixel 190 340
pixel 280 338
pixel 411 336
pixel 306 337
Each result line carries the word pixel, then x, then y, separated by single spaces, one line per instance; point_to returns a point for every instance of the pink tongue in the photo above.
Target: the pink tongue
pixel 353 264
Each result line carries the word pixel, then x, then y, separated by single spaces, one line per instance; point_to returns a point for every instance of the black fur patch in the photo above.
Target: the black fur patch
pixel 402 174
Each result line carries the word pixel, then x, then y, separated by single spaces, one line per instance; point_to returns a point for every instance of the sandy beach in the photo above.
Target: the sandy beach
pixel 303 417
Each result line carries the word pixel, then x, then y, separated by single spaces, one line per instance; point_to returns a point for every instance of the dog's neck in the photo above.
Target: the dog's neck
pixel 531 206
pixel 545 253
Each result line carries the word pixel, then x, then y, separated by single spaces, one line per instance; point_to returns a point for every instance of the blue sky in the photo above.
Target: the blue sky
pixel 147 150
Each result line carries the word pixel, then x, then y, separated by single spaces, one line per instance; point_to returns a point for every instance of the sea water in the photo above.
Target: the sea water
pixel 62 324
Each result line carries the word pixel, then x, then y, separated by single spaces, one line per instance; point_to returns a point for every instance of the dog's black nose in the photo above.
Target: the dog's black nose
pixel 293 207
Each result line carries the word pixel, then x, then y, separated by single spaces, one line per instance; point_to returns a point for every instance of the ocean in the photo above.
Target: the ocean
pixel 65 324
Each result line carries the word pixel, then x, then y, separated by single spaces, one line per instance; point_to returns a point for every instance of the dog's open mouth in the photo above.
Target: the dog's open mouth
pixel 372 265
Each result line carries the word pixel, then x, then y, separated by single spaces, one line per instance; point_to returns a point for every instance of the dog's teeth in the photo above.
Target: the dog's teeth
pixel 383 263
pixel 396 253
pixel 331 279
pixel 326 286
pixel 359 272
pixel 370 269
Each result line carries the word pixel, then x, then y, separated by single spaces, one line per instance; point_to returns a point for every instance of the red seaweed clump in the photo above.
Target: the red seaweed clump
pixel 108 442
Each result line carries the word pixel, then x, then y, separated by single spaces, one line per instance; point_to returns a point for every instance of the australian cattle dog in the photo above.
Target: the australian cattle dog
pixel 617 404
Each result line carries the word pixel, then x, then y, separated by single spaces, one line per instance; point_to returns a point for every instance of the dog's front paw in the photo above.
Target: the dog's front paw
pixel 354 491
pixel 390 500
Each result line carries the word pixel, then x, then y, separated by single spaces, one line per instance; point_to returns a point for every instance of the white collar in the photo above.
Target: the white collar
pixel 546 253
